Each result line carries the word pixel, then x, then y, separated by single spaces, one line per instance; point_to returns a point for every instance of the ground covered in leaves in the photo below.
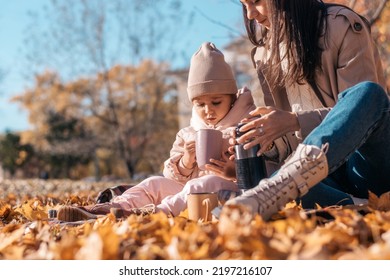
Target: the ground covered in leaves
pixel 333 233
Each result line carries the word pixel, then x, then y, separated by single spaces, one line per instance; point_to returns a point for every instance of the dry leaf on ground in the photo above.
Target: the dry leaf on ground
pixel 328 233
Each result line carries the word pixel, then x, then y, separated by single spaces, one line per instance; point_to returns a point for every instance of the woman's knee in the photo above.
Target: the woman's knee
pixel 369 89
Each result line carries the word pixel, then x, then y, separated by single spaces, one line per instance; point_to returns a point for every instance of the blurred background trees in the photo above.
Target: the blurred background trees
pixel 85 106
pixel 82 122
pixel 13 153
pixel 106 97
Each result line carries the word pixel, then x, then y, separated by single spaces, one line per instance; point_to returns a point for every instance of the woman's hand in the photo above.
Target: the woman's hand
pixel 266 125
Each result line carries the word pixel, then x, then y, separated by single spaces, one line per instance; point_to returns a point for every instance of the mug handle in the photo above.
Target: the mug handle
pixel 206 202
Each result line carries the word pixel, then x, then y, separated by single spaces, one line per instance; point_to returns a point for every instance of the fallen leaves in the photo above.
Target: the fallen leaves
pixel 5 210
pixel 32 210
pixel 329 233
pixel 381 203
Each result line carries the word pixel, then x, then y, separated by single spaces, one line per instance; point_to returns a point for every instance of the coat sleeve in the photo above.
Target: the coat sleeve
pixel 308 120
pixel 350 57
pixel 358 58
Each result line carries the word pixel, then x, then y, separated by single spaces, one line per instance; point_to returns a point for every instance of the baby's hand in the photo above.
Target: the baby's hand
pixel 189 154
pixel 224 167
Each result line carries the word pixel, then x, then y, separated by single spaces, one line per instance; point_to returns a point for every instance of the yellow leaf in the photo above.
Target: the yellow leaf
pixel 381 203
pixel 5 210
pixel 32 210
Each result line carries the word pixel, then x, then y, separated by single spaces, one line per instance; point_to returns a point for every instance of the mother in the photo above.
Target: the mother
pixel 323 87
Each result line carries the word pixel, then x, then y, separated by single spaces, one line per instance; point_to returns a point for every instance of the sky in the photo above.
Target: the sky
pixel 211 17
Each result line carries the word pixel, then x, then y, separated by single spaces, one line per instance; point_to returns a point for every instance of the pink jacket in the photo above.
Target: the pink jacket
pixel 349 57
pixel 241 108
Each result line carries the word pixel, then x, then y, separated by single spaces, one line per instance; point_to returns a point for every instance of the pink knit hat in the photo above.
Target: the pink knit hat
pixel 209 73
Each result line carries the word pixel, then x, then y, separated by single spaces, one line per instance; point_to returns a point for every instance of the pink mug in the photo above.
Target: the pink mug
pixel 208 145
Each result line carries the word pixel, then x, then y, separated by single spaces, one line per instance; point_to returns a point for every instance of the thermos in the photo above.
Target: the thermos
pixel 250 168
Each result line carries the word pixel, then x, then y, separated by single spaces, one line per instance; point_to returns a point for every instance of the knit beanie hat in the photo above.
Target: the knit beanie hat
pixel 209 73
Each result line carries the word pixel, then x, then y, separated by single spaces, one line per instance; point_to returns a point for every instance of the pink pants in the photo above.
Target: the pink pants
pixel 174 204
pixel 168 195
pixel 150 191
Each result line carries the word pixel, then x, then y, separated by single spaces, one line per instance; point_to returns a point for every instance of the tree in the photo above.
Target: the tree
pixel 69 144
pixel 13 154
pixel 90 38
pixel 76 119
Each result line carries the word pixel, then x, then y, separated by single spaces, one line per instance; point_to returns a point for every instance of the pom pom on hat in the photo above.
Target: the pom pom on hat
pixel 209 73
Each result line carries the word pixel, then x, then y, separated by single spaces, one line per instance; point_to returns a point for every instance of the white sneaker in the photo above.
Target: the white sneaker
pixel 304 169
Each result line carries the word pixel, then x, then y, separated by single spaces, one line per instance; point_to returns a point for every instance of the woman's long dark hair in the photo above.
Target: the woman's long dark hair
pixel 299 25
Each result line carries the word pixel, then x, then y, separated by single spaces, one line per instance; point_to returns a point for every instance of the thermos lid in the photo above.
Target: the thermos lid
pixel 241 153
pixel 238 132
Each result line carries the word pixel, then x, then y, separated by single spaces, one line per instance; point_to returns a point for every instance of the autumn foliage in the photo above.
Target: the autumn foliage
pixel 332 233
pixel 126 115
pixel 109 123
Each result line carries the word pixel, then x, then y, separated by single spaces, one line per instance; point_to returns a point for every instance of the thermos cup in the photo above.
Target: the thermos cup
pixel 250 168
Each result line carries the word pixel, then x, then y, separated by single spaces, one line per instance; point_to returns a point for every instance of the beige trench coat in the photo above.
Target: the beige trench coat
pixel 349 57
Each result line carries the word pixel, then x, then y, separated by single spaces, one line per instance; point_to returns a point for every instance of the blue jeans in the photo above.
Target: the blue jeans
pixel 358 132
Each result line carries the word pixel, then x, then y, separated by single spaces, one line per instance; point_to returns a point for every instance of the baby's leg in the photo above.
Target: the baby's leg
pixel 150 191
pixel 177 203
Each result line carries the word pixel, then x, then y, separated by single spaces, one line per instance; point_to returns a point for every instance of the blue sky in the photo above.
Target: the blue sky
pixel 13 25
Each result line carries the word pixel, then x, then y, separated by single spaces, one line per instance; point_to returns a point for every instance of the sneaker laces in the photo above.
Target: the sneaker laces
pixel 270 197
pixel 305 157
